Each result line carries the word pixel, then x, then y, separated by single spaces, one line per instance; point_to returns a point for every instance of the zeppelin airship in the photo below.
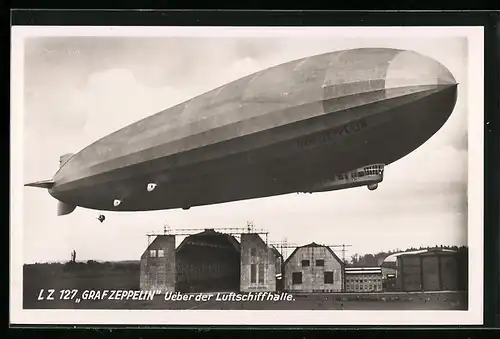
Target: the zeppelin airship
pixel 325 122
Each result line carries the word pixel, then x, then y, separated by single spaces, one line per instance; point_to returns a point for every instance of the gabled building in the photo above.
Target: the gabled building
pixel 314 268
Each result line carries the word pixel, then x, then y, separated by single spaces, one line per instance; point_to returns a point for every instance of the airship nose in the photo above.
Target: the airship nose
pixel 409 68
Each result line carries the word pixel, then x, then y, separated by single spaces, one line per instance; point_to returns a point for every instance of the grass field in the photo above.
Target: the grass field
pixel 125 276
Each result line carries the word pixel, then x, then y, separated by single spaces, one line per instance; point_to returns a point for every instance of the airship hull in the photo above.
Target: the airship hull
pixel 274 132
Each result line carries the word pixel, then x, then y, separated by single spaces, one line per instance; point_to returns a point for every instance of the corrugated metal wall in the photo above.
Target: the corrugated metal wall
pixel 436 271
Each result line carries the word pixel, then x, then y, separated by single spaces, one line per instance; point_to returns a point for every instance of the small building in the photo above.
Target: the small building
pixel 363 279
pixel 389 271
pixel 261 265
pixel 158 265
pixel 432 270
pixel 314 268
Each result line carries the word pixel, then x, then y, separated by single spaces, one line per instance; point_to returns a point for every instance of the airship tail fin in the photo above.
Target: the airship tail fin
pixel 41 184
pixel 64 159
pixel 64 208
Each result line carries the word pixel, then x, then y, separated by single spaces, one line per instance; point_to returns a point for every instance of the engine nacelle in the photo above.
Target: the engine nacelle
pixel 372 187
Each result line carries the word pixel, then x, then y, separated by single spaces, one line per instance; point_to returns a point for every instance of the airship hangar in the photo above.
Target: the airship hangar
pixel 244 260
pixel 211 261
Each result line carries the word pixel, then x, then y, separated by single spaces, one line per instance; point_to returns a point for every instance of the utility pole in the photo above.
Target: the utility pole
pixel 249 226
pixel 282 246
pixel 343 246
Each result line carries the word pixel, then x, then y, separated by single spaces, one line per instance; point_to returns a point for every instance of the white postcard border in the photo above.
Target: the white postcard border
pixel 474 315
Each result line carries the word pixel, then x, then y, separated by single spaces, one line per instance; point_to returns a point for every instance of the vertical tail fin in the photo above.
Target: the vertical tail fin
pixel 62 207
pixel 64 159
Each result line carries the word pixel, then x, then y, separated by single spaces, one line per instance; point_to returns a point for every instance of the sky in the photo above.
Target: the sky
pixel 79 89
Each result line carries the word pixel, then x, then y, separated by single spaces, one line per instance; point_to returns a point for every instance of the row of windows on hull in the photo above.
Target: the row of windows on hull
pixel 297 278
pixel 374 170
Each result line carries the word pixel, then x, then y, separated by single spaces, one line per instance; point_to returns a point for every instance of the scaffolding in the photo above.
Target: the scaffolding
pixel 236 232
pixel 233 231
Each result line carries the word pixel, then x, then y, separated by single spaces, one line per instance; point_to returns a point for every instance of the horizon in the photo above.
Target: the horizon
pixel 348 258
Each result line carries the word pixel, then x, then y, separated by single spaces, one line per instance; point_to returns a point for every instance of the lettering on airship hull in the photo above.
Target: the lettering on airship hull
pixel 331 135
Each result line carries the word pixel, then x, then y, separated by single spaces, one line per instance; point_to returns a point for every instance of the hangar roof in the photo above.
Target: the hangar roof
pixel 313 244
pixel 210 237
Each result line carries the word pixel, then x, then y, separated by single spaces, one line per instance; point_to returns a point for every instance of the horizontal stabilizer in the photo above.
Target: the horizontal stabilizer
pixel 42 184
pixel 64 208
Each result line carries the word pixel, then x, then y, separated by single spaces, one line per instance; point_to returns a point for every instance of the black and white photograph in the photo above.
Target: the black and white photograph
pixel 247 175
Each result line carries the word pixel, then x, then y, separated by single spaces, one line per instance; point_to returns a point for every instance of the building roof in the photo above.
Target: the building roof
pixel 393 257
pixel 360 270
pixel 275 251
pixel 158 243
pixel 313 244
pixel 363 270
pixel 432 252
pixel 371 268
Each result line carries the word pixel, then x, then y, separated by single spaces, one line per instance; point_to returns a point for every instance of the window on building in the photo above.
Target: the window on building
pixel 328 277
pixel 296 278
pixel 261 273
pixel 160 254
pixel 305 263
pixel 320 262
pixel 252 273
pixel 152 253
pixel 253 252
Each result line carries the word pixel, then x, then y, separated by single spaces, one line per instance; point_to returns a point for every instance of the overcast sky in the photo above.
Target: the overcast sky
pixel 78 90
